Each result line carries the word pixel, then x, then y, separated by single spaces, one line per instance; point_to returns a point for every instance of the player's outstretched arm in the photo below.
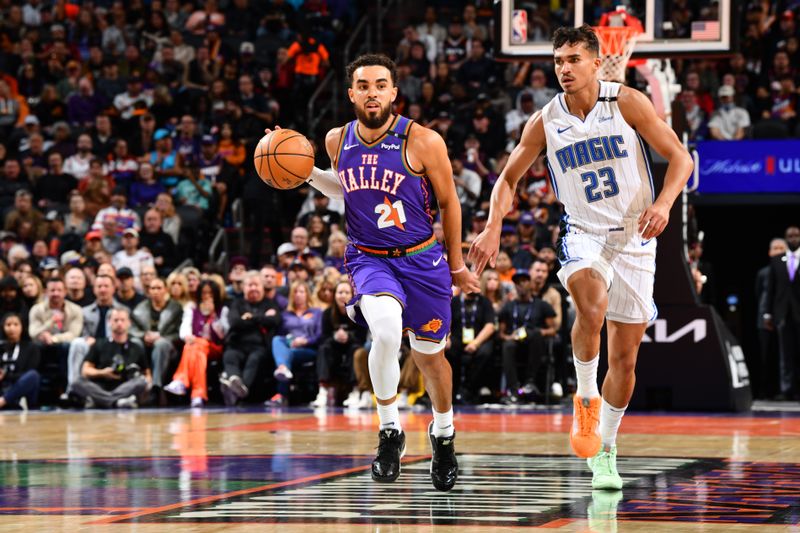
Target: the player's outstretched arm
pixel 428 150
pixel 638 111
pixel 532 141
pixel 325 181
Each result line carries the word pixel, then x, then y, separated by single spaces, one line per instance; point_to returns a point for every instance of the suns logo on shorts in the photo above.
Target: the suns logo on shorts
pixel 433 325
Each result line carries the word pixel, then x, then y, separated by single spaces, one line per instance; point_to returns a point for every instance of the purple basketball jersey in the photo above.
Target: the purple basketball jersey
pixel 388 204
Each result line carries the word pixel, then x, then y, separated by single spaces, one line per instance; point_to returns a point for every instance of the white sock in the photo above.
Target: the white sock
pixel 586 372
pixel 443 424
pixel 610 419
pixel 389 416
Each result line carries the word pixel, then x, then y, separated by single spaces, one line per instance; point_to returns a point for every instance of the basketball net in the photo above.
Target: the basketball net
pixel 616 46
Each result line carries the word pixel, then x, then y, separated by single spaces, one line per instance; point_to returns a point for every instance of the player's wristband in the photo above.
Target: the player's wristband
pixel 462 269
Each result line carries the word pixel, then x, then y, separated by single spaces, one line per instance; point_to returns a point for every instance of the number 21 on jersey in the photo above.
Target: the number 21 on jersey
pixel 391 214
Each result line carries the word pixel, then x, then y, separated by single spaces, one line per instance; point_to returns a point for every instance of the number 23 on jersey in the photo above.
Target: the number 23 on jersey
pixel 391 214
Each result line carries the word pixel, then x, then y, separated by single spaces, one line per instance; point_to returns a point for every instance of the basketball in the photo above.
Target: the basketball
pixel 284 159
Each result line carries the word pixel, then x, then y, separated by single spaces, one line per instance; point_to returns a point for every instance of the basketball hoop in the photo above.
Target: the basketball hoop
pixel 616 46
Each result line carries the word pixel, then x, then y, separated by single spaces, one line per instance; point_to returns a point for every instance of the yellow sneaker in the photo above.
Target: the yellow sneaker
pixel 585 437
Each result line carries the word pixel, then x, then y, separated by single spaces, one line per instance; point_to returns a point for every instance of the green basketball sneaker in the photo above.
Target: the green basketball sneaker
pixel 604 470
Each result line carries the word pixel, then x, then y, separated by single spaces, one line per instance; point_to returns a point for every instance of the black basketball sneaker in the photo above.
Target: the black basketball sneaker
pixel 444 466
pixel 391 448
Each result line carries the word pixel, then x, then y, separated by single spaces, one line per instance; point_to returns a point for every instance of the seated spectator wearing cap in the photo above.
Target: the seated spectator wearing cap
pixel 54 323
pixel 132 256
pixel 19 360
pixel 165 159
pixel 118 213
pixel 75 283
pixel 299 335
pixel 127 294
pixel 158 243
pixel 253 321
pixel 524 322
pixel 156 322
pixel 478 224
pixel 146 188
pixel 518 117
pixel 202 330
pixel 13 180
pixel 96 325
pixel 729 122
pixel 24 214
pixel 116 371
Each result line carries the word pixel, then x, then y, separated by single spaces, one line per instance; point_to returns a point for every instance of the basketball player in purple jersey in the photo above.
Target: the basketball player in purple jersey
pixel 390 171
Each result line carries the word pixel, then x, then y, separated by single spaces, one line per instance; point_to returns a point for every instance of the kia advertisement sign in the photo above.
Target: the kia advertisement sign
pixel 749 167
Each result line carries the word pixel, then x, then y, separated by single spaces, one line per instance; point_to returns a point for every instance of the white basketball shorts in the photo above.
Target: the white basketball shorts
pixel 626 262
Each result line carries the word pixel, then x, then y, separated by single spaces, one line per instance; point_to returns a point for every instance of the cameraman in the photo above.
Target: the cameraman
pixel 116 371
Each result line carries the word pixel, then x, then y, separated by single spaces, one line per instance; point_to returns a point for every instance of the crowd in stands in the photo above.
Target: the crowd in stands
pixel 125 134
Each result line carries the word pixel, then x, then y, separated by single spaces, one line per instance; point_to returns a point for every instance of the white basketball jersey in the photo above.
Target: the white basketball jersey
pixel 599 166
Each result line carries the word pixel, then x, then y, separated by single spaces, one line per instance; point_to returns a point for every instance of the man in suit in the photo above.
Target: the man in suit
pixel 783 311
pixel 764 365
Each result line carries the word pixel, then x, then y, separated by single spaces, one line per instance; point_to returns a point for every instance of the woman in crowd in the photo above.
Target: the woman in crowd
pixel 19 358
pixel 230 148
pixel 146 188
pixel 301 327
pixel 178 287
pixel 341 338
pixel 318 234
pixel 32 290
pixel 492 289
pixel 76 221
pixel 192 278
pixel 324 288
pixel 203 329
pixel 337 243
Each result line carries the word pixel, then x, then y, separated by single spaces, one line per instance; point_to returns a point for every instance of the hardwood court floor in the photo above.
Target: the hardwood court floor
pixel 298 470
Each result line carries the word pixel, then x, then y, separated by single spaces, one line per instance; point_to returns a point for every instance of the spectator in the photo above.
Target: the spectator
pixel 518 117
pixel 13 180
pixel 24 214
pixel 253 321
pixel 477 69
pixel 300 332
pixel 194 196
pixel 310 58
pixel 103 139
pixel 165 159
pixel 96 325
pixel 472 29
pixel 331 218
pixel 334 256
pixel 77 165
pixel 269 276
pixel 19 379
pixel 203 329
pixel 231 147
pixel 155 323
pixel 118 213
pixel 76 221
pixel 238 268
pixel 521 258
pixel 115 371
pixel 148 274
pixel 111 240
pixel 127 294
pixel 158 243
pixel 429 26
pixel 187 144
pixel 145 189
pixel 54 323
pixel 523 324
pixel 341 338
pixel 471 344
pixel 468 186
pixel 55 186
pixel 764 371
pixel 11 301
pixel 85 104
pixel 132 99
pixel 170 220
pixel 178 287
pixel 32 289
pixel 455 46
pixel 75 283
pixel 728 122
pixel 34 159
pixel 122 166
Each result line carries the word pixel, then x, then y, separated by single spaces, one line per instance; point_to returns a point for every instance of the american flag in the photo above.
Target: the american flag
pixel 705 30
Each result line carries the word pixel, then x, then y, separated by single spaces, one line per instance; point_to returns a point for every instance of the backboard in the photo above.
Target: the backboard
pixel 672 28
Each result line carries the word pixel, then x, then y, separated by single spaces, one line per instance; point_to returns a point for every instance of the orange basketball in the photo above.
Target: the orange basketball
pixel 284 159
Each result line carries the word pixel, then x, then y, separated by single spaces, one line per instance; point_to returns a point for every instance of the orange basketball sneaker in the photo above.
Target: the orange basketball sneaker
pixel 584 436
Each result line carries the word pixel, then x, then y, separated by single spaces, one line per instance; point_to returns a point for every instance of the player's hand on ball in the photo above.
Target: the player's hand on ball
pixel 267 131
pixel 653 221
pixel 484 250
pixel 467 281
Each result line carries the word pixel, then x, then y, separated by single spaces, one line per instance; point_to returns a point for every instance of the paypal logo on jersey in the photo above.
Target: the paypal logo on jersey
pixel 385 146
pixel 591 150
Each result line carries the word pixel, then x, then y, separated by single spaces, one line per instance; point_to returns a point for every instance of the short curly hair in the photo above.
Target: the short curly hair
pixel 368 60
pixel 584 34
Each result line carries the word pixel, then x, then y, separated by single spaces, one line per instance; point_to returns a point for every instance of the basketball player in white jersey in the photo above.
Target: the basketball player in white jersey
pixel 600 171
